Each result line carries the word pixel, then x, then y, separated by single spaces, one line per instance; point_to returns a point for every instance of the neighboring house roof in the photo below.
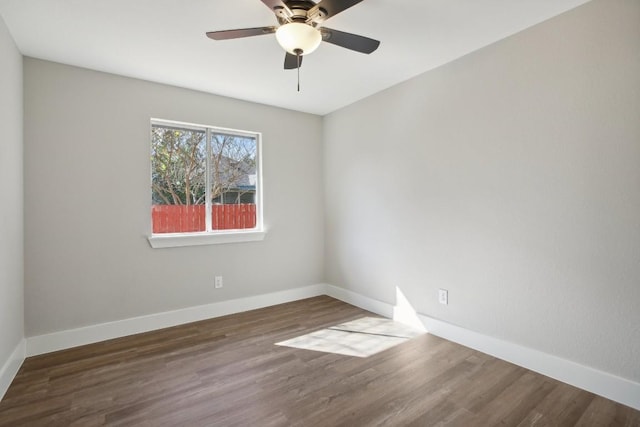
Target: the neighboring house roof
pixel 245 171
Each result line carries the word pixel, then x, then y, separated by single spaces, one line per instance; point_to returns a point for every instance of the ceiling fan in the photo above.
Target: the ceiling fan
pixel 300 29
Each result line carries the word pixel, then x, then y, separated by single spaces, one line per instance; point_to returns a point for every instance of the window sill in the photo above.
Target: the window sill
pixel 175 240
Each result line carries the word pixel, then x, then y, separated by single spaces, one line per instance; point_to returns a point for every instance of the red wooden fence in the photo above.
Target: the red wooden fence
pixel 183 219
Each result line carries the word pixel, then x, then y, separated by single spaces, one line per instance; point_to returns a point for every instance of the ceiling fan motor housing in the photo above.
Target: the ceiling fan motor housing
pixel 300 11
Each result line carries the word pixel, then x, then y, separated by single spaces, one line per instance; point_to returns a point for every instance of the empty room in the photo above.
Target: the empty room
pixel 320 213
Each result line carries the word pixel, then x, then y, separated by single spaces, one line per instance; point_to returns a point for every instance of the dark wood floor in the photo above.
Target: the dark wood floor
pixel 228 372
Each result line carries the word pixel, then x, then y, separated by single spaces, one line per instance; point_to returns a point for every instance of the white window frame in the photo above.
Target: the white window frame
pixel 171 240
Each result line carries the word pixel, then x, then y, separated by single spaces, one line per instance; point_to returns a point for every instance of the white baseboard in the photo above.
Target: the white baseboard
pixel 601 383
pixel 366 303
pixel 90 334
pixel 598 382
pixel 10 368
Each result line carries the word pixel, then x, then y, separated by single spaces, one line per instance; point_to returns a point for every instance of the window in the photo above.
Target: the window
pixel 205 185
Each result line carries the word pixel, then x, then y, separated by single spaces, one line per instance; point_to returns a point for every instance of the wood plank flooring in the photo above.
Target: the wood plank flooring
pixel 228 372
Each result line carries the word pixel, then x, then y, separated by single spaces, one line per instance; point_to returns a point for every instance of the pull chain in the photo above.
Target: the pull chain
pixel 298 52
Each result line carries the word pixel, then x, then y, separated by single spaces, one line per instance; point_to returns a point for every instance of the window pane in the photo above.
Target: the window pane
pixel 178 176
pixel 233 181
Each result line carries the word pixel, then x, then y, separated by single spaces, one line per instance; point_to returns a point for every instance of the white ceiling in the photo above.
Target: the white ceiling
pixel 164 41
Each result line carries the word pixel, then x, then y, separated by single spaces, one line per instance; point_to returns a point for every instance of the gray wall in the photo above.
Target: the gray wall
pixel 87 201
pixel 510 177
pixel 11 207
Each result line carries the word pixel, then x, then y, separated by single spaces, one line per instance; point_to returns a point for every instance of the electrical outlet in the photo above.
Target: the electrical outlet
pixel 218 282
pixel 443 296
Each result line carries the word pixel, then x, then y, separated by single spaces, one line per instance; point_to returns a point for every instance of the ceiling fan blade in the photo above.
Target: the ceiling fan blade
pixel 279 7
pixel 239 33
pixel 331 7
pixel 291 61
pixel 350 41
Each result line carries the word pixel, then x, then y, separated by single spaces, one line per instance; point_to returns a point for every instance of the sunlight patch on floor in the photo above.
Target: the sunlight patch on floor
pixel 360 338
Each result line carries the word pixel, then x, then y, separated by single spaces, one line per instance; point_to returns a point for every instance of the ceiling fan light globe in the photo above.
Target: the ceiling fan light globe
pixel 296 36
